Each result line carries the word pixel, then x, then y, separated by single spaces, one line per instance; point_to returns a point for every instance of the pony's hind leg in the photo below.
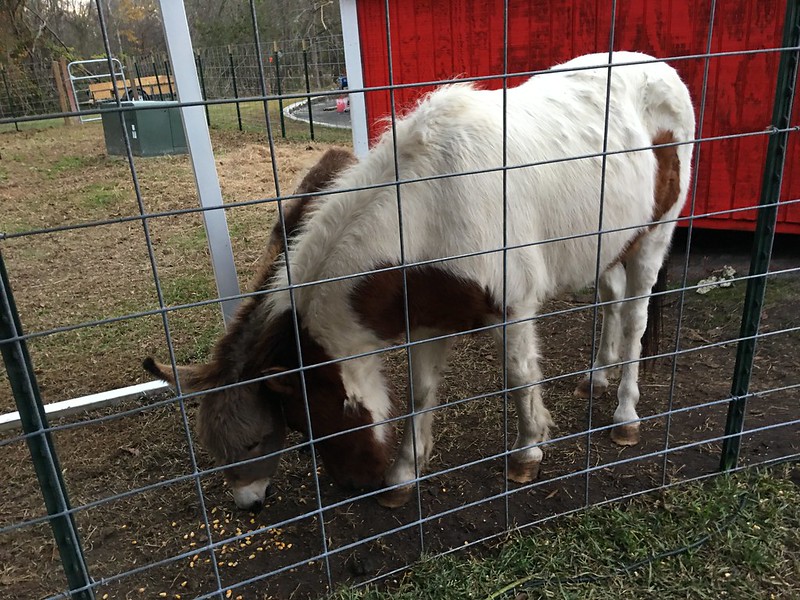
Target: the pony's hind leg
pixel 427 363
pixel 533 419
pixel 611 288
pixel 642 267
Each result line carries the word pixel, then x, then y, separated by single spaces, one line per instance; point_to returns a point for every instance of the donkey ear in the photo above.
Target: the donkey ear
pixel 286 385
pixel 193 378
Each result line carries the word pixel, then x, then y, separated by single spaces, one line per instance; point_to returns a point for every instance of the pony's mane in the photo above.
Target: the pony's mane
pixel 317 179
pixel 248 328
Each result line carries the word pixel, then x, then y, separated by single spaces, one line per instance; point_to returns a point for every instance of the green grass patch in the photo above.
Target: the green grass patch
pixel 194 240
pixel 31 125
pixel 188 288
pixel 782 289
pixel 101 195
pixel 70 163
pixel 750 523
pixel 198 349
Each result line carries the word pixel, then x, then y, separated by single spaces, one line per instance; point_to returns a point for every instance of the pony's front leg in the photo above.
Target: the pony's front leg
pixel 611 288
pixel 533 419
pixel 427 363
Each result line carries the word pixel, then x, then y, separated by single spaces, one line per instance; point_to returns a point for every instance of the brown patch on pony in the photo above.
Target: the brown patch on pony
pixel 354 459
pixel 319 177
pixel 437 299
pixel 667 187
pixel 668 182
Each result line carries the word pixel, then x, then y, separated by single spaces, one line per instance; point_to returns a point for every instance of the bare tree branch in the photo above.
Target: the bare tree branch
pixel 42 27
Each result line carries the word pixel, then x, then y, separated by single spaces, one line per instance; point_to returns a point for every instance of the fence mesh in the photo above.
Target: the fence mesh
pixel 105 260
pixel 226 72
pixel 29 88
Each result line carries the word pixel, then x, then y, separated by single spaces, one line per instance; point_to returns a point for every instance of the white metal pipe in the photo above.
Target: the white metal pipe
pixel 355 75
pixel 184 70
pixel 76 405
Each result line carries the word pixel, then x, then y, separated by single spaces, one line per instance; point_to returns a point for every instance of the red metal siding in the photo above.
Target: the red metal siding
pixel 440 39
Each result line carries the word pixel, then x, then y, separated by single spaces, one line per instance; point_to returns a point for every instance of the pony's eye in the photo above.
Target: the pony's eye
pixel 251 447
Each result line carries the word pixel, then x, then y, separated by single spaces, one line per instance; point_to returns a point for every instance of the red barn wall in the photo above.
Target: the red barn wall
pixel 441 39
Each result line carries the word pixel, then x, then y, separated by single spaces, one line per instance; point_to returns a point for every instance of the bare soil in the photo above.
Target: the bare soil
pixel 94 273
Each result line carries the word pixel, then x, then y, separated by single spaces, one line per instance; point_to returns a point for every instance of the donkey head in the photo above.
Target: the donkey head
pixel 262 391
pixel 234 424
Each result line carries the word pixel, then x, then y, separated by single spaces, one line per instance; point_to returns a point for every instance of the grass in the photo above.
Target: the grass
pixel 37 125
pixel 70 163
pixel 751 520
pixel 724 305
pixel 193 240
pixel 100 195
pixel 223 116
pixel 187 288
pixel 63 176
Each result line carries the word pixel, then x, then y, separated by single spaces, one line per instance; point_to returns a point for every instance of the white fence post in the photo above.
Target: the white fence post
pixel 184 70
pixel 355 75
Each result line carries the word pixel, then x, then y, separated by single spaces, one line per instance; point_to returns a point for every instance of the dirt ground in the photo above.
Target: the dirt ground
pixel 60 280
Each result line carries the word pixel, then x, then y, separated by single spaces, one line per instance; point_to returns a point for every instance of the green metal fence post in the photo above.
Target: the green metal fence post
pixel 199 62
pixel 158 80
pixel 308 91
pixel 276 56
pixel 10 98
pixel 235 88
pixel 40 443
pixel 764 236
pixel 169 80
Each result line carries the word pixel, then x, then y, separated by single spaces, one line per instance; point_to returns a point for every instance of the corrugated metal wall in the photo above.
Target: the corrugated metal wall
pixel 440 39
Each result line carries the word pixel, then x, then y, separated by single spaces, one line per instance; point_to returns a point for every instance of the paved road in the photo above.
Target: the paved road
pixel 324 112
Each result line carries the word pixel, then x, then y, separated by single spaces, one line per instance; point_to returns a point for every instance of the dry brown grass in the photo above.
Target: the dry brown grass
pixel 62 176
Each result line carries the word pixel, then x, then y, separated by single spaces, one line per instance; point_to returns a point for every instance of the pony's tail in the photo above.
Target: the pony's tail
pixel 651 338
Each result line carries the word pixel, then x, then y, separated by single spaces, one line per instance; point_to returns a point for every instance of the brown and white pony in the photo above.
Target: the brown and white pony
pixel 243 422
pixel 483 249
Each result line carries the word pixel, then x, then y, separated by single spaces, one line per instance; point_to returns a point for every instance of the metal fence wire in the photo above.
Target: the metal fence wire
pixel 29 88
pixel 135 507
pixel 226 72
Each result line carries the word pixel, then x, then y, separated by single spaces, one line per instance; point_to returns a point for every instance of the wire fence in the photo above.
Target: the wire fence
pixel 29 88
pixel 226 72
pixel 119 267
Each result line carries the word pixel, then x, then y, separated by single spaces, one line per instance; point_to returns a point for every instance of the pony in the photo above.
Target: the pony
pixel 460 217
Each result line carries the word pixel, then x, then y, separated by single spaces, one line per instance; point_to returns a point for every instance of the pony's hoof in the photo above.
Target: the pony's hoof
pixel 520 472
pixel 625 435
pixel 395 498
pixel 582 390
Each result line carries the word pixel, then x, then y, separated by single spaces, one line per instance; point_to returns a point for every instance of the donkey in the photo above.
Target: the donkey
pixel 250 427
pixel 476 249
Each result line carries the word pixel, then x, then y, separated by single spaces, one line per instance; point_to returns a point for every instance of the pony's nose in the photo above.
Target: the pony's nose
pixel 258 505
pixel 251 497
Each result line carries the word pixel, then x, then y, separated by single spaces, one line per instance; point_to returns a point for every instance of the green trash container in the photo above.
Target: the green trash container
pixel 154 129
